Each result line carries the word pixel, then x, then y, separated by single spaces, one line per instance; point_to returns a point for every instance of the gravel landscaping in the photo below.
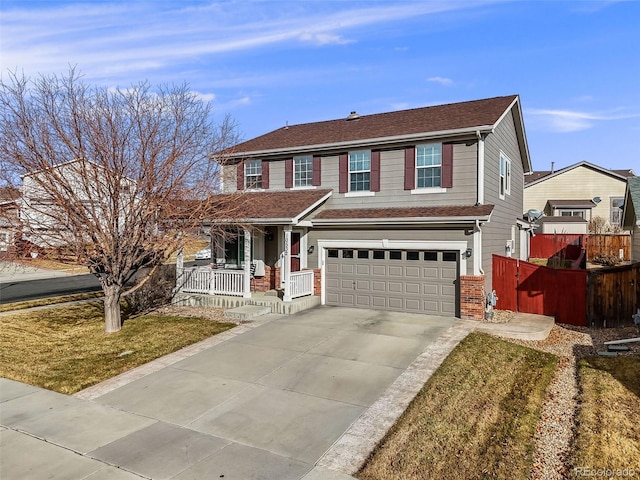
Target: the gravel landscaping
pixel 557 426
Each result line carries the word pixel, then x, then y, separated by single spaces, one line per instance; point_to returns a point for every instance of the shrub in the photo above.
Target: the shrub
pixel 156 292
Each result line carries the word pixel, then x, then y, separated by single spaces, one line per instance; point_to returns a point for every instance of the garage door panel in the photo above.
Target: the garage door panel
pixel 379 302
pixel 448 290
pixel 412 305
pixel 347 269
pixel 363 269
pixel 379 271
pixel 378 286
pixel 449 273
pixel 412 272
pixel 412 288
pixel 348 299
pixel 430 272
pixel 363 301
pixel 430 289
pixel 332 268
pixel 395 271
pixel 395 303
pixel 363 285
pixel 394 287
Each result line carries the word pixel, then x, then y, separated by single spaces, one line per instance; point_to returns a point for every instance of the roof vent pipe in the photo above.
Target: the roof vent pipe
pixel 553 164
pixel 353 116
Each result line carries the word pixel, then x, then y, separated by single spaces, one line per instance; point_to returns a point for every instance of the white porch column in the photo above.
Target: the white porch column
pixel 285 271
pixel 246 279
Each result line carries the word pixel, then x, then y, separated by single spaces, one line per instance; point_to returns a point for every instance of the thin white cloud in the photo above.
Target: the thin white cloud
pixel 441 80
pixel 205 97
pixel 123 40
pixel 572 121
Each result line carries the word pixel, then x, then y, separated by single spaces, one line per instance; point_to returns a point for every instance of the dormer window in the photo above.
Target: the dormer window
pixel 253 174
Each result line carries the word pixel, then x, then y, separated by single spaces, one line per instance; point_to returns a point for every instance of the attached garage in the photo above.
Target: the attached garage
pixel 416 281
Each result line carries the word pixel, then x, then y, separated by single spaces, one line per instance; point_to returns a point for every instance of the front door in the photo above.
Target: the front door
pixel 295 251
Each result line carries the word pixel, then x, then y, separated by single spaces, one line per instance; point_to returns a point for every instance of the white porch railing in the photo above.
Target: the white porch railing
pixel 213 282
pixel 227 282
pixel 301 283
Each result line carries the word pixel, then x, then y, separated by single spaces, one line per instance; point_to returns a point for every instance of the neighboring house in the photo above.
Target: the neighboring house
pixel 578 193
pixel 631 216
pixel 44 197
pixel 9 223
pixel 393 211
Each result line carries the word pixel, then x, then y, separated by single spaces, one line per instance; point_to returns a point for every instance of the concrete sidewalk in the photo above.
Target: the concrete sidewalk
pixel 15 272
pixel 305 396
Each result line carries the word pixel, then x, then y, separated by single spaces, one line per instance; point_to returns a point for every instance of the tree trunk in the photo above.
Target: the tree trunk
pixel 112 317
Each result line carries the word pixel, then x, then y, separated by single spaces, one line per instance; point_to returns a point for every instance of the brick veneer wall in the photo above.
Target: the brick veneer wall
pixel 317 282
pixel 270 281
pixel 472 297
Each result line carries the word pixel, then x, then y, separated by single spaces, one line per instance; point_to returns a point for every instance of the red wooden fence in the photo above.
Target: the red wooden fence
pixel 524 287
pixel 563 245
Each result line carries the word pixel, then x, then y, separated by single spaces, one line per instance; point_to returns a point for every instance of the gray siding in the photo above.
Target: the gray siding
pixel 496 233
pixel 392 192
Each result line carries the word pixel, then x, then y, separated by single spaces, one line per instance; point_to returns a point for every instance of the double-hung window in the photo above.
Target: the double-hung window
pixel 616 211
pixel 505 175
pixel 428 165
pixel 253 174
pixel 303 171
pixel 360 171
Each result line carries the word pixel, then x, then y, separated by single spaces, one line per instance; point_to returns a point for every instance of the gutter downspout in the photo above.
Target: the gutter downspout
pixel 477 246
pixel 480 198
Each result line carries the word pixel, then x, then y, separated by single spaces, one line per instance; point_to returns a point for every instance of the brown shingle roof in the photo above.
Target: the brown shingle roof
pixel 438 118
pixel 267 205
pixel 407 212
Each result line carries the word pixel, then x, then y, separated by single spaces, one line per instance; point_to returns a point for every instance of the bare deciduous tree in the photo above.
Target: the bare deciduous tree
pixel 120 175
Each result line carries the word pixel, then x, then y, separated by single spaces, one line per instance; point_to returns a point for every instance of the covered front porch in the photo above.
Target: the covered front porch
pixel 265 250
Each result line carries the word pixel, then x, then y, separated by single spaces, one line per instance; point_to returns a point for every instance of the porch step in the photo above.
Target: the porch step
pixel 246 313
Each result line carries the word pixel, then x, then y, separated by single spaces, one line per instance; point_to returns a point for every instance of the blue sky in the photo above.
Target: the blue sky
pixel 576 65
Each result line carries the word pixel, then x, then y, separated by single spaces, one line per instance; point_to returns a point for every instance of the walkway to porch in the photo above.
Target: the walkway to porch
pixel 267 299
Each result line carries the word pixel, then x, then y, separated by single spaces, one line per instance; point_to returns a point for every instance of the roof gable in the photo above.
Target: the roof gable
pixel 440 119
pixel 543 175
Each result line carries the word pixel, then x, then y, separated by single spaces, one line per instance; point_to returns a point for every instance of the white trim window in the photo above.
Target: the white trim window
pixel 615 217
pixel 505 176
pixel 253 174
pixel 428 165
pixel 303 171
pixel 360 171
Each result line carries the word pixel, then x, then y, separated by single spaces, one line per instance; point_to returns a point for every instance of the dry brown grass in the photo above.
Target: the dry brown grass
pixel 8 307
pixel 474 419
pixel 608 432
pixel 66 350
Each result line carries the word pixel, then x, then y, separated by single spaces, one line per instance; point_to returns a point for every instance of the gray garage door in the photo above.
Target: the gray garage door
pixel 414 281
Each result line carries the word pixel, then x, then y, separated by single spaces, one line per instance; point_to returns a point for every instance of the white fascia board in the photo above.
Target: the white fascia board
pixel 302 214
pixel 253 221
pixel 399 221
pixel 368 141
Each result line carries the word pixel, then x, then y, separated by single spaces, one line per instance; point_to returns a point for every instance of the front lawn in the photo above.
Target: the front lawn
pixel 66 350
pixel 474 419
pixel 608 430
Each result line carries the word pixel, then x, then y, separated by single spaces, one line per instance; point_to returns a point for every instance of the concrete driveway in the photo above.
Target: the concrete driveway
pixel 266 404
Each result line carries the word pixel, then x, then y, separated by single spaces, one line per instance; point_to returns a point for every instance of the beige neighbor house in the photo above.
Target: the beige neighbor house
pixel 631 215
pixel 572 196
pixel 393 211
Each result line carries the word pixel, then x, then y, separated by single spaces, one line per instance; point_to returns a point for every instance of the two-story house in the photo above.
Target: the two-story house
pixel 570 197
pixel 393 211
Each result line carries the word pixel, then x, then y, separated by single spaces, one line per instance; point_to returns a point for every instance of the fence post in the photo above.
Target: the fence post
pixel 179 272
